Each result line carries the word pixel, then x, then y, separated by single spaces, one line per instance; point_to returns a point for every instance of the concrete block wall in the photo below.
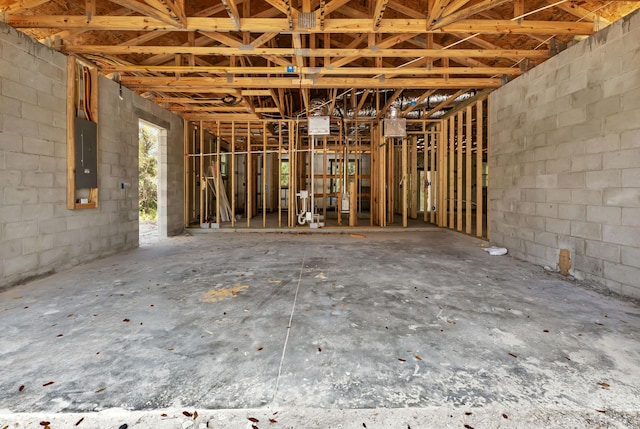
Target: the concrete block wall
pixel 38 234
pixel 565 159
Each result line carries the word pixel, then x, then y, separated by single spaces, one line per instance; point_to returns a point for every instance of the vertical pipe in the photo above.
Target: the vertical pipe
pixel 218 175
pixel 487 144
pixel 312 195
pixel 324 179
pixel 435 181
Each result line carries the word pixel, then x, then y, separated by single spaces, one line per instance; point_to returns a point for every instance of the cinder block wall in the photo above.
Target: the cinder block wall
pixel 565 159
pixel 38 234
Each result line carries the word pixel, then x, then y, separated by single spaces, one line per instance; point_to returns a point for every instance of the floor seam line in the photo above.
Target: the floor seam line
pixel 286 339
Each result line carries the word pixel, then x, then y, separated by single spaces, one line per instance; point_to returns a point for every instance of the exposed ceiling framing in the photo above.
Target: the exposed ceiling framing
pixel 248 59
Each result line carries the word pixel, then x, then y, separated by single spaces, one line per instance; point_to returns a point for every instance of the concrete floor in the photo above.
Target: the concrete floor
pixel 377 330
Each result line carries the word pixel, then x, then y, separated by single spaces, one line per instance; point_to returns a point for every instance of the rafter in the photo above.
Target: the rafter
pixel 232 10
pixel 580 12
pixel 467 12
pixel 419 100
pixel 389 102
pixel 144 9
pixel 378 12
pixel 445 103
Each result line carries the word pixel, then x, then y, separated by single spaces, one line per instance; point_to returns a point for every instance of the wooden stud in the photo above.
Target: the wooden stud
pixel 488 210
pixel 452 177
pixel 203 183
pixel 479 187
pixel 468 167
pixel 218 175
pixel 264 174
pixel 248 178
pixel 233 174
pixel 459 173
pixel 185 127
pixel 324 179
pixel 415 195
pixel 435 136
pixel 280 175
pixel 405 183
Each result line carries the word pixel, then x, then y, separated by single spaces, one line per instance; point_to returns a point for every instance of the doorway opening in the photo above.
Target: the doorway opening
pixel 148 173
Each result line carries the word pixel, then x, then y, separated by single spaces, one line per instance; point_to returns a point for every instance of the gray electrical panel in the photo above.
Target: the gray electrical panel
pixel 86 142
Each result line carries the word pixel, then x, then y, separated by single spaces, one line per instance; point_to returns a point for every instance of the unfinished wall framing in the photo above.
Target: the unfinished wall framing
pixel 461 158
pixel 358 177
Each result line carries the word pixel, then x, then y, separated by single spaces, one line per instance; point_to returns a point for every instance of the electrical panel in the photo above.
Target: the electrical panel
pixel 86 153
pixel 319 126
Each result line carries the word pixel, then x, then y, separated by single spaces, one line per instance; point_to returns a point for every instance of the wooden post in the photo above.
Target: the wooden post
pixel 487 144
pixel 353 204
pixel 415 194
pixel 479 188
pixel 279 175
pixel 459 173
pixel 405 183
pixel 203 183
pixel 324 179
pixel 186 171
pixel 435 135
pixel 248 176
pixel 233 174
pixel 452 177
pixel 264 174
pixel 468 168
pixel 218 175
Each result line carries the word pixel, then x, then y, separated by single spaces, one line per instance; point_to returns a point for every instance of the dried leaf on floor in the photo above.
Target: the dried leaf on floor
pixel 513 355
pixel 123 426
pixel 601 411
pixel 505 416
pixel 163 415
pixel 468 413
pixel 319 349
pixel 44 423
pixel 546 331
pixel 402 360
pixel 259 348
pixel 254 427
pixel 79 421
pixel 21 388
pixel 418 357
pixel 253 419
pixel 468 427
pixel 59 335
pixel 187 413
pixel 605 385
pixel 102 389
pixel 273 421
pixel 126 320
pixel 195 415
pixel 47 384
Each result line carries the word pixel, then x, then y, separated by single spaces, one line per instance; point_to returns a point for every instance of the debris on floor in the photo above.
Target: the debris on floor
pixel 495 251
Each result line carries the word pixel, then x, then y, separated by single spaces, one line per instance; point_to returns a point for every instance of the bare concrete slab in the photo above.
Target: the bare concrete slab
pixel 395 329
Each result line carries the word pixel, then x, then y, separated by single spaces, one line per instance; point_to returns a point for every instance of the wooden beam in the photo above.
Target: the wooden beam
pixel 232 10
pixel 90 9
pixel 340 71
pixel 389 102
pixel 319 52
pixel 580 12
pixel 19 6
pixel 445 103
pixel 467 12
pixel 143 8
pixel 420 99
pixel 261 25
pixel 378 12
